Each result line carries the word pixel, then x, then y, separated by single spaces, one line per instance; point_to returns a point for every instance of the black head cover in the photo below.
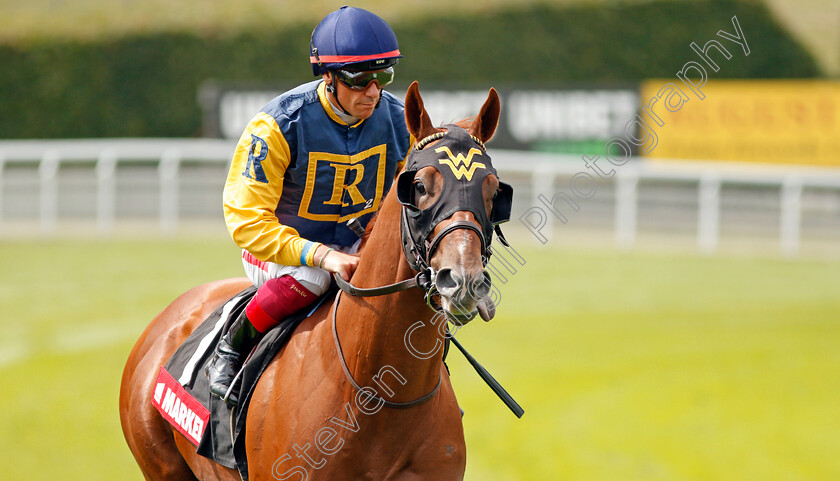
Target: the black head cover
pixel 463 164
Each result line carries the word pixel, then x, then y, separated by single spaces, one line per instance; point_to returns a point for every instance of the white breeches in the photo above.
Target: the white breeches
pixel 313 278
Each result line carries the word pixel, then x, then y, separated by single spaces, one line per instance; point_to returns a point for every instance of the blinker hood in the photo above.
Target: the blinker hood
pixel 463 164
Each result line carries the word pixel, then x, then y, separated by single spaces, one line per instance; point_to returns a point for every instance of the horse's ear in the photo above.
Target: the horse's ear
pixel 416 118
pixel 487 120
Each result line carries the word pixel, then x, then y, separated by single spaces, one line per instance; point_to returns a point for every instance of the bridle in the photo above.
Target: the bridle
pixel 416 225
pixel 461 191
pixel 417 248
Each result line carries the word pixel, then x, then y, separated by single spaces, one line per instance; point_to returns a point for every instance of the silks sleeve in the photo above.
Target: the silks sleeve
pixel 253 188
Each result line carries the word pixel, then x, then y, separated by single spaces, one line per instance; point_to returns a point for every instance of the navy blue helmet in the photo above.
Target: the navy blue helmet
pixel 353 39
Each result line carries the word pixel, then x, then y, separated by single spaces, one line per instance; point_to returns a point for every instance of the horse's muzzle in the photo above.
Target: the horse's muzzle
pixel 461 294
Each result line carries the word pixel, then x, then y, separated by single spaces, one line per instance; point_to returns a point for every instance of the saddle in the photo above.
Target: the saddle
pixel 182 394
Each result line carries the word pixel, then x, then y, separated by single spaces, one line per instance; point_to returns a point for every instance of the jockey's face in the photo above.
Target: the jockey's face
pixel 358 103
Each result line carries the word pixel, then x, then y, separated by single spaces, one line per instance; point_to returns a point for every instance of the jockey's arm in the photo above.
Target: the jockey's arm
pixel 252 191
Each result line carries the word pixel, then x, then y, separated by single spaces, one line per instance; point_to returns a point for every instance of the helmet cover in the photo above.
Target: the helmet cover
pixel 354 39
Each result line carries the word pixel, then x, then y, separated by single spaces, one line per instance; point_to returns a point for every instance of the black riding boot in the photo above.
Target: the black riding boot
pixel 228 358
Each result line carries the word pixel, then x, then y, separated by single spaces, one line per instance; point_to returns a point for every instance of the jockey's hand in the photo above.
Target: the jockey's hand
pixel 337 262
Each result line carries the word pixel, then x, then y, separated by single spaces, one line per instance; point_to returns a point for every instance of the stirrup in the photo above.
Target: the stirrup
pixel 223 371
pixel 231 352
pixel 227 397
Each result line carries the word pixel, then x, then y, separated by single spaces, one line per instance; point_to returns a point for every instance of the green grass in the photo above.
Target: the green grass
pixel 637 366
pixel 631 366
pixel 72 311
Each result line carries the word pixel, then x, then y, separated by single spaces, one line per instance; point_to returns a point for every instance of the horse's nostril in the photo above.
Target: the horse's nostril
pixel 447 281
pixel 480 285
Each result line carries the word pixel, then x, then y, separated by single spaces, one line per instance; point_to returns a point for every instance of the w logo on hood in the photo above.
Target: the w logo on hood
pixel 461 166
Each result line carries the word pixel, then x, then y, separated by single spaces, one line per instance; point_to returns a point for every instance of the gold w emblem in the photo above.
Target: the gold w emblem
pixel 461 166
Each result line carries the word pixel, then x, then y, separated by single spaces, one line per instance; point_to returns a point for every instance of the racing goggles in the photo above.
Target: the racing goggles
pixel 361 80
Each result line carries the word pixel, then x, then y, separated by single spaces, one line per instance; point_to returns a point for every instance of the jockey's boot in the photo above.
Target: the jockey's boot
pixel 275 300
pixel 227 359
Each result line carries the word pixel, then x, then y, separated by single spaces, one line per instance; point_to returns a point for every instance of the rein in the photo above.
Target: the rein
pixel 356 386
pixel 423 280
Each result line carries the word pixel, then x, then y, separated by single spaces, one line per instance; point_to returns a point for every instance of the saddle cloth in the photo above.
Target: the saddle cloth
pixel 182 394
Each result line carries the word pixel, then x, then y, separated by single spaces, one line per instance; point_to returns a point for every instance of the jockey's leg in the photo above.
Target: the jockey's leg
pixel 276 299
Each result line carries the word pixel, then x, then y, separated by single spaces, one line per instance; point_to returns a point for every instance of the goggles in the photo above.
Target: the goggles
pixel 361 80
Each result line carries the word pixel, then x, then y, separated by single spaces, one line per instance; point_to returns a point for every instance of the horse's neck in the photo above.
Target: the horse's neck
pixel 373 329
pixel 382 261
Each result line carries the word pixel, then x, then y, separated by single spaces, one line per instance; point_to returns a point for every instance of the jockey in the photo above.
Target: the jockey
pixel 313 158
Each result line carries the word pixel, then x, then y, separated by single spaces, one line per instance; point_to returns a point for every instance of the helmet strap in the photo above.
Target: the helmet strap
pixel 333 88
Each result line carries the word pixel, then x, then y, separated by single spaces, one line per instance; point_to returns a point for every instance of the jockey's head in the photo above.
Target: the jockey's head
pixel 356 49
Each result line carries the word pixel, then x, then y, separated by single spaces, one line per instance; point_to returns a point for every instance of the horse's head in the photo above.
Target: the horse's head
pixel 452 200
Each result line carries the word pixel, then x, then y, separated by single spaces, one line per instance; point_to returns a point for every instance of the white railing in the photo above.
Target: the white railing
pixel 540 171
pixel 708 177
pixel 106 154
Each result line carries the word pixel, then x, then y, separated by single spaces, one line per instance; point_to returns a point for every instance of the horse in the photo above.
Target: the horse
pixel 309 418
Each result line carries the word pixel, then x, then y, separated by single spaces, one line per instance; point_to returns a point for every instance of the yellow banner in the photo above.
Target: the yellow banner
pixel 790 122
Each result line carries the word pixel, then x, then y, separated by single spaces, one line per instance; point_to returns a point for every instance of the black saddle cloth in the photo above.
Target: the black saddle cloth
pixel 223 440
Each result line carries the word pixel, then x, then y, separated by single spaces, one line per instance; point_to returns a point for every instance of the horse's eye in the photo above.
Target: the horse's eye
pixel 419 188
pixel 495 194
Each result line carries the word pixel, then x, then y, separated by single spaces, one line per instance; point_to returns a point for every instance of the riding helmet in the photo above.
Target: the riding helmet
pixel 354 39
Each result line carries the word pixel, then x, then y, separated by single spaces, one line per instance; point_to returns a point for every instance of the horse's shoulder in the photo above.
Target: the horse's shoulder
pixel 314 330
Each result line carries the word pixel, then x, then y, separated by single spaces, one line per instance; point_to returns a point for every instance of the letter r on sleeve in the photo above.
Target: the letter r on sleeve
pixel 256 154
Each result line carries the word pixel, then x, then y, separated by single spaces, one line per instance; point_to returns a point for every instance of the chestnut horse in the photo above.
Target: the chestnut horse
pixel 307 418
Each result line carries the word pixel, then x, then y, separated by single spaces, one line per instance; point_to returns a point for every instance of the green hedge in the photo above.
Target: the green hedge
pixel 147 85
